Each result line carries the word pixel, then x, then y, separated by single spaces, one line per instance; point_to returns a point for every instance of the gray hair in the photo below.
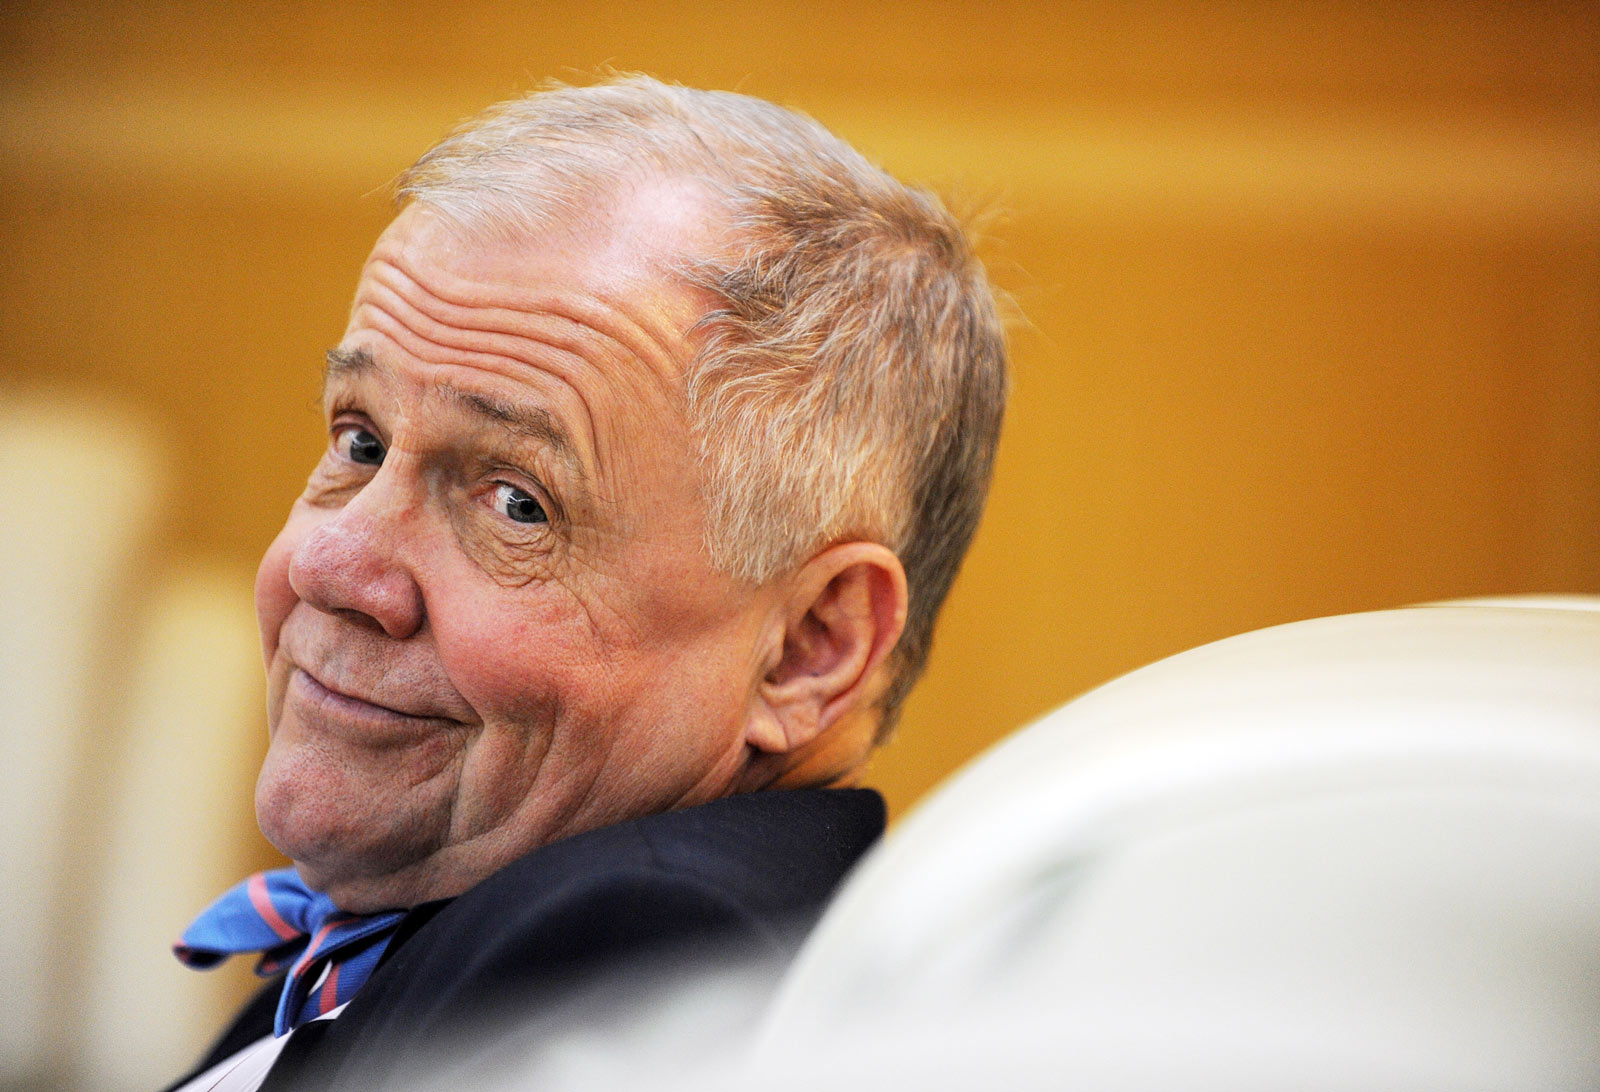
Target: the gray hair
pixel 851 385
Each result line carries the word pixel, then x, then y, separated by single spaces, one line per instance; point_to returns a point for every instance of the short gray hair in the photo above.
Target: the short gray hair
pixel 851 385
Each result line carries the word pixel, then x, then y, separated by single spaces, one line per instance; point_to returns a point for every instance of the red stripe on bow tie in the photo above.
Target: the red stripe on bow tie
pixel 269 913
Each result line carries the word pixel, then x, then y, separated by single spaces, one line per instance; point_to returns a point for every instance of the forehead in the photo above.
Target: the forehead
pixel 585 317
pixel 616 244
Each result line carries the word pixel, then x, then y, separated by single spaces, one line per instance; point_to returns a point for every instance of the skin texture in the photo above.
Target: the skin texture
pixel 489 621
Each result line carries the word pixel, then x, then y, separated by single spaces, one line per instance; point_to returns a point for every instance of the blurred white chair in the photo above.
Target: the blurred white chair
pixel 79 489
pixel 131 689
pixel 1352 853
pixel 171 821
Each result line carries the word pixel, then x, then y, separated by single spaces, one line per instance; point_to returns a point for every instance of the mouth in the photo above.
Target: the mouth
pixel 348 706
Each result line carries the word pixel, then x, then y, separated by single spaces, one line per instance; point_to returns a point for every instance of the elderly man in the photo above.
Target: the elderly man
pixel 661 424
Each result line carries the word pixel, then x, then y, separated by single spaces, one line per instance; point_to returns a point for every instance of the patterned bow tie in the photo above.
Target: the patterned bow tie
pixel 328 952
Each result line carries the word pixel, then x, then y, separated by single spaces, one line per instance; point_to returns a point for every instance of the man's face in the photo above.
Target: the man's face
pixel 489 620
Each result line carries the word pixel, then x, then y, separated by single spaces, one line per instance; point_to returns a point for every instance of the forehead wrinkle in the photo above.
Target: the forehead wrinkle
pixel 516 343
pixel 572 321
pixel 507 355
pixel 530 342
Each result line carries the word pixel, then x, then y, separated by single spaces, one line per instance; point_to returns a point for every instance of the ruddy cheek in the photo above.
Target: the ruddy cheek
pixel 278 671
pixel 274 597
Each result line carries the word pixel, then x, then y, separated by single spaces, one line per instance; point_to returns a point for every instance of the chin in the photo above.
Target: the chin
pixel 339 834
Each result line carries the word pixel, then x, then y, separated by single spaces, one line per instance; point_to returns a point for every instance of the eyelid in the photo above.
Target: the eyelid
pixel 347 413
pixel 343 413
pixel 337 426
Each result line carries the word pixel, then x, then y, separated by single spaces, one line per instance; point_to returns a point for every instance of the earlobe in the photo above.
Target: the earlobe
pixel 844 614
pixel 764 731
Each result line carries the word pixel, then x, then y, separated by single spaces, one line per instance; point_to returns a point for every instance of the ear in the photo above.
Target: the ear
pixel 843 613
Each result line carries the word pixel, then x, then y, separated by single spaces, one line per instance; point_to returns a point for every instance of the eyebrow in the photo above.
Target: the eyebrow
pixel 342 362
pixel 527 422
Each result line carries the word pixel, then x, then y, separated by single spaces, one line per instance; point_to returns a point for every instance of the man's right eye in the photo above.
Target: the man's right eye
pixel 358 445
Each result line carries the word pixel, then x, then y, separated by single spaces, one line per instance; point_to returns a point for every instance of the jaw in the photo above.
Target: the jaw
pixel 343 824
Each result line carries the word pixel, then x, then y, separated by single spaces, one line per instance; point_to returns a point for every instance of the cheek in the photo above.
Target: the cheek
pixel 498 654
pixel 523 663
pixel 274 596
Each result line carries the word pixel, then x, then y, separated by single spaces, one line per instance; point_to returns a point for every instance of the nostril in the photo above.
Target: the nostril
pixel 359 618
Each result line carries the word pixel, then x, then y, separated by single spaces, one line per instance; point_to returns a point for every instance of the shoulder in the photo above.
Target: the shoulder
pixel 764 857
pixel 748 870
pixel 577 921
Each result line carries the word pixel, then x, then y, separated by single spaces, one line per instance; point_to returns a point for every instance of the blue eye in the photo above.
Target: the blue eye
pixel 359 445
pixel 518 504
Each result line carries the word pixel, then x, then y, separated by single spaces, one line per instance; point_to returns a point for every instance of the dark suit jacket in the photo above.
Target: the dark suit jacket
pixel 744 876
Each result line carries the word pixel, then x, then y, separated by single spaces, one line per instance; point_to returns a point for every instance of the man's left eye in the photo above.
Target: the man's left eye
pixel 518 504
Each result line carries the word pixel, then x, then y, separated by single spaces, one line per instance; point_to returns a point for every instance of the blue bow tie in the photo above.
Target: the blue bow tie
pixel 292 926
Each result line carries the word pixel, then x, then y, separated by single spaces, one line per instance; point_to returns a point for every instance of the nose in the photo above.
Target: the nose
pixel 352 563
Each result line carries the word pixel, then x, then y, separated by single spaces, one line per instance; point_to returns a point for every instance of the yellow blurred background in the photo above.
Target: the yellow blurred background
pixel 1311 297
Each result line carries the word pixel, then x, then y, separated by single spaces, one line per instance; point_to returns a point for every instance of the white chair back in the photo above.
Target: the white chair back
pixel 1349 853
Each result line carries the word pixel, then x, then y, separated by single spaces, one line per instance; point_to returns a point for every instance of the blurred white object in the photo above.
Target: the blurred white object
pixel 79 489
pixel 1351 853
pixel 132 691
pixel 172 819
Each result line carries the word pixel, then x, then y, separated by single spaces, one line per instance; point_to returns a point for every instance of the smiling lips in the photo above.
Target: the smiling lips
pixel 348 676
pixel 347 705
